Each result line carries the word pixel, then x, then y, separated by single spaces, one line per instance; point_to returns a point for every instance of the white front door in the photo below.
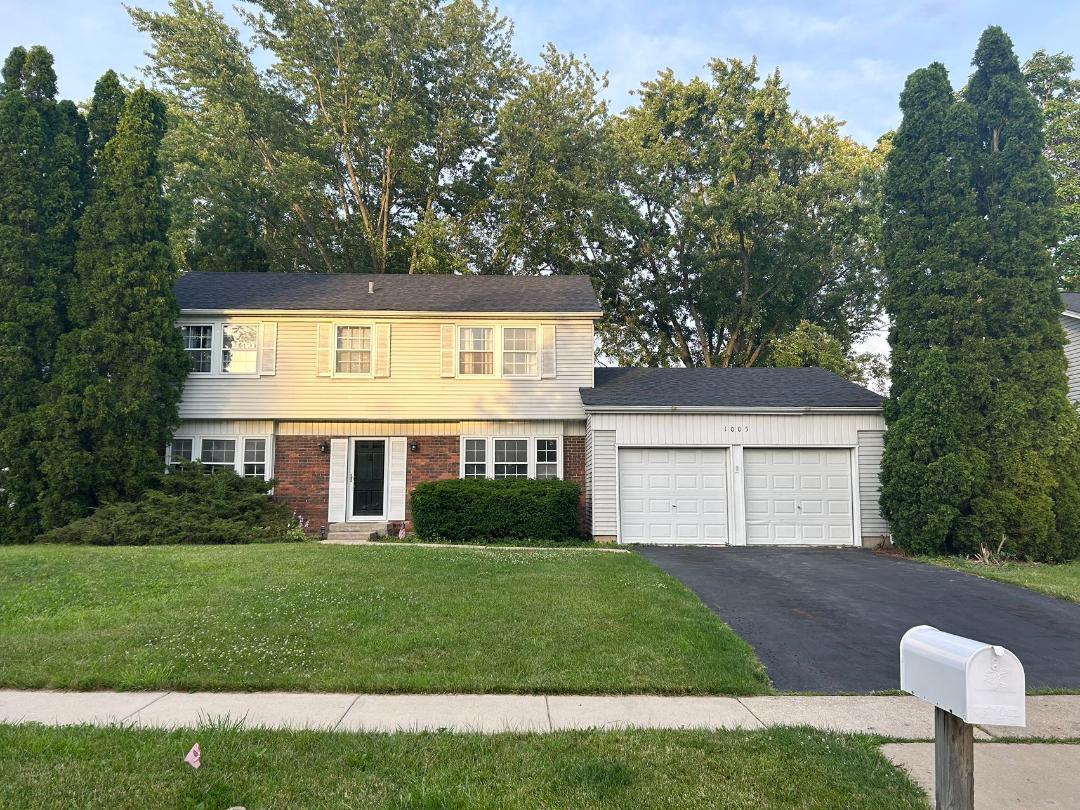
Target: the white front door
pixel 798 496
pixel 670 495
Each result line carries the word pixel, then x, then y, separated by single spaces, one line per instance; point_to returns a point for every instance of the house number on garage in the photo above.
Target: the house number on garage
pixel 736 428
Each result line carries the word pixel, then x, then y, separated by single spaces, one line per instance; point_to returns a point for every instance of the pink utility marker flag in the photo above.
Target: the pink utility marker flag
pixel 194 756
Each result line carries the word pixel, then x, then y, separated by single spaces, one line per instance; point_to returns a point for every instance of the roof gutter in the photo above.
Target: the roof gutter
pixel 382 313
pixel 724 409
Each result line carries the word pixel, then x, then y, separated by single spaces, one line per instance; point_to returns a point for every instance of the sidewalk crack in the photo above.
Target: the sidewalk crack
pixel 127 717
pixel 547 708
pixel 347 710
pixel 740 702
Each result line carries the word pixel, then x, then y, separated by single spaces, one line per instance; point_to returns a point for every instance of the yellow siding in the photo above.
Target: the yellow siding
pixel 414 390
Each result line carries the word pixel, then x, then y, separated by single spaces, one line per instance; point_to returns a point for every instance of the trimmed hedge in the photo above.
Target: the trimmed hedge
pixel 188 506
pixel 480 509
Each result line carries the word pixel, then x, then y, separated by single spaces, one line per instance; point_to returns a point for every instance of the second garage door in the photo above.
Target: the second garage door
pixel 798 496
pixel 669 495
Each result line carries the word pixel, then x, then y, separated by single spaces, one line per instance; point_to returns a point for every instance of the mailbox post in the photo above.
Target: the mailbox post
pixel 969 683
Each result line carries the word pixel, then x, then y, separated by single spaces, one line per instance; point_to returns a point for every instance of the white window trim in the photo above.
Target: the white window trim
pixel 558 455
pixel 334 350
pixel 238 450
pixel 213 342
pixel 489 454
pixel 536 352
pixel 496 352
pixel 168 448
pixel 217 347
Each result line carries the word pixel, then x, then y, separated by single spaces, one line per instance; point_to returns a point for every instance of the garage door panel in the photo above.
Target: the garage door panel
pixel 682 493
pixel 798 497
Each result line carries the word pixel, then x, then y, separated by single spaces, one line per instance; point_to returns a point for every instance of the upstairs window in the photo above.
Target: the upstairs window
pixel 511 458
pixel 519 351
pixel 198 343
pixel 240 348
pixel 352 350
pixel 476 351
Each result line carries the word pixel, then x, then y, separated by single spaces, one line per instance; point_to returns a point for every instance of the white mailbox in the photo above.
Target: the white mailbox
pixel 979 683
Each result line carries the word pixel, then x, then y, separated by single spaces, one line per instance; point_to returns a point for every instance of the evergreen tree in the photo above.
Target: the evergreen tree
pixel 113 398
pixel 1028 413
pixel 103 114
pixel 41 193
pixel 978 452
pixel 933 465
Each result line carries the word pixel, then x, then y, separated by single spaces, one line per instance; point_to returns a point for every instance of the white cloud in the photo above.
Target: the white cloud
pixel 781 23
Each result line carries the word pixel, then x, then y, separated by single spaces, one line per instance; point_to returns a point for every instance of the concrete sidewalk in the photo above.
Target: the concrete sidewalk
pixel 1024 776
pixel 902 718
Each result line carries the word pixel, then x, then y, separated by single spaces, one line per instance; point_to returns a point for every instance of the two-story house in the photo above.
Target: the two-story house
pixel 350 389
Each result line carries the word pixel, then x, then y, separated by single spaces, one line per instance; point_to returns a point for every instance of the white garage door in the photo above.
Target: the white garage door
pixel 673 496
pixel 798 497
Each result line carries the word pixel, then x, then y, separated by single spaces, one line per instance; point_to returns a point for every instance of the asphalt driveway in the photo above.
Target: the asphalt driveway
pixel 830 620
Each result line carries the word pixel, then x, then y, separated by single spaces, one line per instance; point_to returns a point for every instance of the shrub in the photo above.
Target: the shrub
pixel 188 506
pixel 482 509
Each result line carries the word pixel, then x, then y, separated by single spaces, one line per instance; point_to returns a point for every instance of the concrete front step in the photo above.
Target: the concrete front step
pixel 347 533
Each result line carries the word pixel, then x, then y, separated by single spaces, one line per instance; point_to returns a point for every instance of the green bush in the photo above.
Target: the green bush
pixel 188 506
pixel 481 509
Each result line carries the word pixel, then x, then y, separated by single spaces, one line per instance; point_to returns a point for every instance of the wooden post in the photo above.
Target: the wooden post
pixel 954 762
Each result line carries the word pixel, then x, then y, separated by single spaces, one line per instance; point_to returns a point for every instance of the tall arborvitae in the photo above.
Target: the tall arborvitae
pixel 41 193
pixel 934 464
pixel 103 115
pixel 113 398
pixel 1028 413
pixel 978 453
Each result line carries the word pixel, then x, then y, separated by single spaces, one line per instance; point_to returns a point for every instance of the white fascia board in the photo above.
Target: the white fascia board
pixel 705 409
pixel 381 314
pixel 1070 314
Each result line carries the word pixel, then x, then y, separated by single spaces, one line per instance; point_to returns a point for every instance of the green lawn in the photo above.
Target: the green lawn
pixel 114 768
pixel 384 619
pixel 1061 580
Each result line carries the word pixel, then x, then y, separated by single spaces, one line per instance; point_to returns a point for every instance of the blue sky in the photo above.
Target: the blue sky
pixel 844 59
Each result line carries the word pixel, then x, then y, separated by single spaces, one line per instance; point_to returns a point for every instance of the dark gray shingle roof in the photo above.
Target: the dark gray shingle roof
pixel 393 293
pixel 726 388
pixel 1071 301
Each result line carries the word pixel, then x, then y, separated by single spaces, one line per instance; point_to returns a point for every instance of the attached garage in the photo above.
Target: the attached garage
pixel 673 495
pixel 798 496
pixel 733 457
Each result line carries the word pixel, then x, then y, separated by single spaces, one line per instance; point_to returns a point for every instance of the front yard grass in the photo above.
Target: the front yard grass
pixel 359 619
pixel 130 768
pixel 1061 580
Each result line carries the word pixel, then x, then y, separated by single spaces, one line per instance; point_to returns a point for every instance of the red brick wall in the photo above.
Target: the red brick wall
pixel 438 458
pixel 303 473
pixel 574 470
pixel 303 476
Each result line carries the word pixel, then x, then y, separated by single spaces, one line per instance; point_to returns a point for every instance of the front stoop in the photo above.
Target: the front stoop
pixel 348 534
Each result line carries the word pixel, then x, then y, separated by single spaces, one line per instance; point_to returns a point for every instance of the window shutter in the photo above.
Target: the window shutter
pixel 447 350
pixel 268 348
pixel 398 457
pixel 547 350
pixel 382 350
pixel 323 335
pixel 339 474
